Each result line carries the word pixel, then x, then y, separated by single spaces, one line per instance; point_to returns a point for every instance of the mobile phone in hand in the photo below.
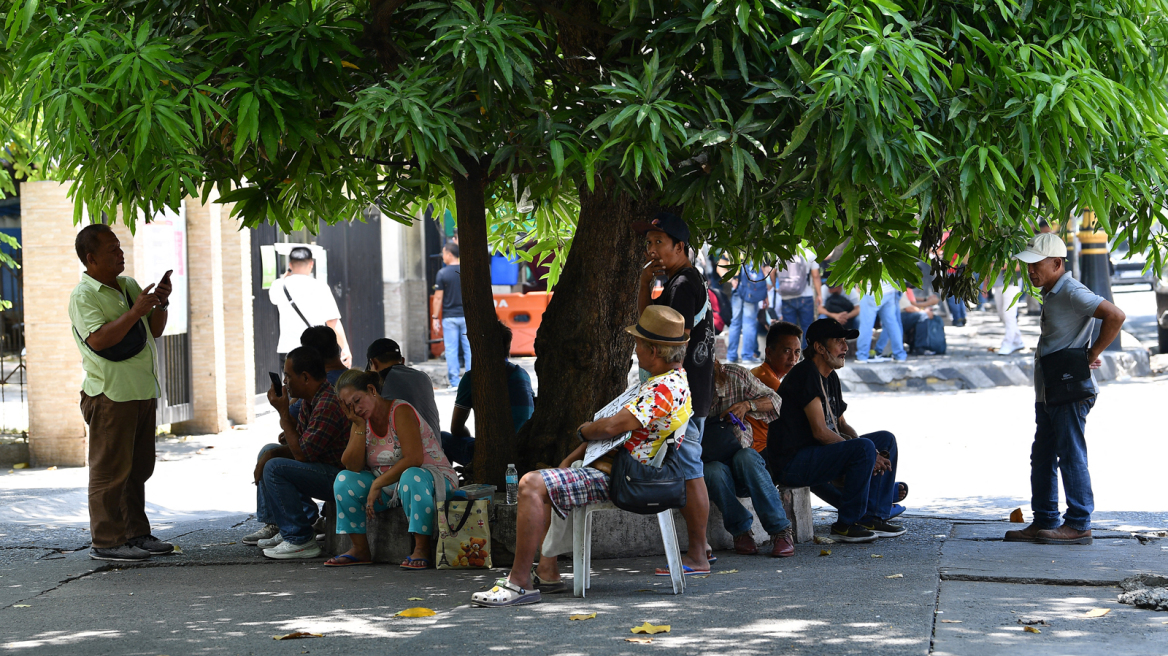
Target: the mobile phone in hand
pixel 276 383
pixel 166 276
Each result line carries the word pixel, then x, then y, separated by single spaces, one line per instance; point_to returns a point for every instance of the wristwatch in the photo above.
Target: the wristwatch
pixel 163 306
pixel 753 407
pixel 580 435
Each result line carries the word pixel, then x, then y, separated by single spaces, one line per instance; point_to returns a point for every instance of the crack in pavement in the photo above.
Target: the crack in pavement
pixel 1028 580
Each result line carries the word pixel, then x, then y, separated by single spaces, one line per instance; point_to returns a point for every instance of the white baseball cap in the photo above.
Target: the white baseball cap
pixel 1042 246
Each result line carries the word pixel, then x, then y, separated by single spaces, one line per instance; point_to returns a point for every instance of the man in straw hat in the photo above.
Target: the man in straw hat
pixel 660 406
pixel 1069 311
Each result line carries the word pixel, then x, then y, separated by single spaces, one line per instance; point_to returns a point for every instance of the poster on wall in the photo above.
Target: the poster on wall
pixel 166 250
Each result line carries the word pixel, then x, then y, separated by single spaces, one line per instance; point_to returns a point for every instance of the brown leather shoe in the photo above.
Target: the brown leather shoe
pixel 744 544
pixel 784 544
pixel 1028 534
pixel 1064 535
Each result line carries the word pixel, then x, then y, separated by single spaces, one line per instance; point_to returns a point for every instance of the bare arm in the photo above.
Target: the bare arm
pixel 435 307
pixel 354 456
pixel 603 429
pixel 1113 319
pixel 846 428
pixel 576 454
pixel 115 331
pixel 819 429
pixel 817 287
pixel 458 422
pixel 342 341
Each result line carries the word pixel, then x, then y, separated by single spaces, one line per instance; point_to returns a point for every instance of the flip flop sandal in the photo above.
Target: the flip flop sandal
pixel 685 570
pixel 336 561
pixel 505 593
pixel 896 511
pixel 408 563
pixel 547 587
pixel 901 491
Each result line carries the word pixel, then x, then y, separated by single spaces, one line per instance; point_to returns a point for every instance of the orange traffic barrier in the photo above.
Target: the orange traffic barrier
pixel 522 313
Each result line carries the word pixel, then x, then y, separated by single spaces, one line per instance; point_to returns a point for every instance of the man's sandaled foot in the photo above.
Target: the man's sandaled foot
pixel 1028 534
pixel 505 593
pixel 901 491
pixel 547 587
pixel 1064 535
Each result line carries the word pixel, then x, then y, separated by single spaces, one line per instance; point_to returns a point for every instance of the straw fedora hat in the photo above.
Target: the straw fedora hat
pixel 660 325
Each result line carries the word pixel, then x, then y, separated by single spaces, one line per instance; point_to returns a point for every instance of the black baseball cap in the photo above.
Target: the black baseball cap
pixel 383 349
pixel 828 329
pixel 671 224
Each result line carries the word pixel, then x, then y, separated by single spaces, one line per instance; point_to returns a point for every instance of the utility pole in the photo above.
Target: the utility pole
pixel 1095 266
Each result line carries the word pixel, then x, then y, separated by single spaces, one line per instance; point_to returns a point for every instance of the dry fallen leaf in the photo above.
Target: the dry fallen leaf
pixel 1097 612
pixel 22 606
pixel 643 641
pixel 825 552
pixel 20 465
pixel 651 629
pixel 53 468
pixel 177 549
pixel 1016 516
pixel 819 540
pixel 703 576
pixel 951 621
pixel 417 612
pixel 895 576
pixel 1030 629
pixel 582 617
pixel 414 599
pixel 729 571
pixel 297 635
pixel 877 556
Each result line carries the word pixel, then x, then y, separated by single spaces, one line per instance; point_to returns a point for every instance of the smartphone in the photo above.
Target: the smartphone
pixel 166 276
pixel 276 383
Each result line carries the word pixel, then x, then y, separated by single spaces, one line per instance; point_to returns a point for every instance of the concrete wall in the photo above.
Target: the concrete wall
pixel 406 297
pixel 51 270
pixel 208 350
pixel 238 328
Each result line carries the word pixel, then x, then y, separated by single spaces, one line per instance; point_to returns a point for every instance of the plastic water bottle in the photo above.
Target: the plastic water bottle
pixel 512 485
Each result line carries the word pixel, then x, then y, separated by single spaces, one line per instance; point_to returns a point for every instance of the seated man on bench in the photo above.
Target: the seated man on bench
pixel 660 408
pixel 734 469
pixel 811 444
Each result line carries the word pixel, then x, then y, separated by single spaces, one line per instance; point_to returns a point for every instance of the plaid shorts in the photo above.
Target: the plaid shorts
pixel 574 488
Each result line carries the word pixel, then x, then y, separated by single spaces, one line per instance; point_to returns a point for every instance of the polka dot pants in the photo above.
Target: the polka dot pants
pixel 351 490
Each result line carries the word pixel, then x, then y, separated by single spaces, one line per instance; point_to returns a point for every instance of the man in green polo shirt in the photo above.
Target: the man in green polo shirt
pixel 115 323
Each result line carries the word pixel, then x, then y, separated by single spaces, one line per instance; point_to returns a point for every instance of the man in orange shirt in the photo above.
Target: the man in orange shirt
pixel 783 351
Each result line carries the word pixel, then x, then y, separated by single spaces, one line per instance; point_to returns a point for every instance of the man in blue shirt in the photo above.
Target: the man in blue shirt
pixel 459 443
pixel 1069 311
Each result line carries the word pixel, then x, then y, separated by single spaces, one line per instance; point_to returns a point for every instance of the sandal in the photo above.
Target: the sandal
pixel 336 561
pixel 505 593
pixel 896 510
pixel 547 587
pixel 686 570
pixel 901 491
pixel 408 563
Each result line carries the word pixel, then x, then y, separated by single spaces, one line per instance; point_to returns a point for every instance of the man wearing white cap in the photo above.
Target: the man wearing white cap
pixel 1065 392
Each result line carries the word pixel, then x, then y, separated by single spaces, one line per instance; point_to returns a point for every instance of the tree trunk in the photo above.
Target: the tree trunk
pixel 583 354
pixel 494 434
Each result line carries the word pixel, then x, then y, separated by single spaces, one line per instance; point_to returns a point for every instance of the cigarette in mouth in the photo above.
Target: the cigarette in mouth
pixel 647 265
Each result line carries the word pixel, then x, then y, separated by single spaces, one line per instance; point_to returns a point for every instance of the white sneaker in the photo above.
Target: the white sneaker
pixel 874 358
pixel 289 551
pixel 266 533
pixel 272 542
pixel 1007 350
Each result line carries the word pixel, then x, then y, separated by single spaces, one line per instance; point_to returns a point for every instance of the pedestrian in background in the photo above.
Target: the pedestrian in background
pixel 799 287
pixel 1069 311
pixel 303 302
pixel 448 296
pixel 115 323
pixel 750 289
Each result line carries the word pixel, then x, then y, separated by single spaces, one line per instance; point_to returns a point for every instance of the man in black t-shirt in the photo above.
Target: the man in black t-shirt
pixel 667 250
pixel 448 296
pixel 811 444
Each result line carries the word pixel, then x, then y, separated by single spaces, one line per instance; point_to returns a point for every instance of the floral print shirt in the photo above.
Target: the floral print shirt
pixel 382 452
pixel 662 406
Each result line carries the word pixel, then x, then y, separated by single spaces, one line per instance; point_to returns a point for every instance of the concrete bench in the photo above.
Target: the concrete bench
pixel 615 535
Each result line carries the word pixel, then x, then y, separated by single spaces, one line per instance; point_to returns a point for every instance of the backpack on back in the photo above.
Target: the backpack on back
pixel 793 279
pixel 753 285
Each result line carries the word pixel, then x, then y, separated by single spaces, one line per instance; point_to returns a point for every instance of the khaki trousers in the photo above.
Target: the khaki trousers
pixel 121 460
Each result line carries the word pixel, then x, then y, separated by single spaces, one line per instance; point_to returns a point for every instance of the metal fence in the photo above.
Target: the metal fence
pixel 13 372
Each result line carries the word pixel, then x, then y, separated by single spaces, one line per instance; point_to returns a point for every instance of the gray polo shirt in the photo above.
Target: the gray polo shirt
pixel 1066 323
pixel 416 388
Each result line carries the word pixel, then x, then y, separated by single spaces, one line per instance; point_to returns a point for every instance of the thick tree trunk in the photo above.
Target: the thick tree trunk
pixel 494 434
pixel 583 354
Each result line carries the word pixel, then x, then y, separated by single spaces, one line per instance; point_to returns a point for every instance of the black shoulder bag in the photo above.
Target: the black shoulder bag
pixel 298 312
pixel 647 489
pixel 1066 374
pixel 131 345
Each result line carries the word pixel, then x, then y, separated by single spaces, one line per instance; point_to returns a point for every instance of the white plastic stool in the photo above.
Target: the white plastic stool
pixel 582 547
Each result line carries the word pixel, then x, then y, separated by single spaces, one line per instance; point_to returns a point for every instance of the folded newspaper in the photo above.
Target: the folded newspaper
pixel 597 449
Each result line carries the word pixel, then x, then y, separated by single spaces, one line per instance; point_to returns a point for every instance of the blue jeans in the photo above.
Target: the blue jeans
pixel 745 475
pixel 458 449
pixel 801 312
pixel 453 338
pixel 957 309
pixel 263 512
pixel 289 485
pixel 744 323
pixel 1060 444
pixel 863 496
pixel 889 312
pixel 691 449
